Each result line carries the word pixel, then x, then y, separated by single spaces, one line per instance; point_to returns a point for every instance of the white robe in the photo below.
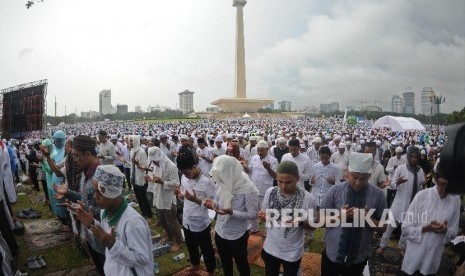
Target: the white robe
pixel 8 176
pixel 404 191
pixel 424 250
pixel 133 246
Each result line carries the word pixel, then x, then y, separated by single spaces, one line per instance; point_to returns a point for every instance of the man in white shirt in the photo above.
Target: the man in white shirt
pixel 195 188
pixel 262 171
pixel 408 179
pixel 165 179
pixel 250 149
pixel 378 177
pixel 123 231
pixel 205 156
pixel 425 237
pixel 324 175
pixel 301 160
pixel 218 150
pixel 312 152
pixel 167 146
pixel 341 160
pixel 392 165
pixel 285 245
pixel 106 151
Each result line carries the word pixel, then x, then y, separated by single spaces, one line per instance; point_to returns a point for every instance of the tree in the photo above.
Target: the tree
pixel 456 117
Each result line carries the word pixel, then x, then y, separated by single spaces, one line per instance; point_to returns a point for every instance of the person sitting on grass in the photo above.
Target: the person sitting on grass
pixel 122 230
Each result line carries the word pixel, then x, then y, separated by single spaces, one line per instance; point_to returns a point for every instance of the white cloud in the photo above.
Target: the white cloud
pixel 308 51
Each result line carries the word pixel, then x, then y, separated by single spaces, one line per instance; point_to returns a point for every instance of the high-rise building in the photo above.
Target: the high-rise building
pixel 397 104
pixel 138 109
pixel 121 108
pixel 334 106
pixel 285 106
pixel 427 107
pixel 186 101
pixel 409 102
pixel 104 103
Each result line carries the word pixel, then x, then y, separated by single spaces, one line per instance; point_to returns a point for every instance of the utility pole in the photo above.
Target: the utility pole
pixel 55 106
pixel 65 110
pixel 438 100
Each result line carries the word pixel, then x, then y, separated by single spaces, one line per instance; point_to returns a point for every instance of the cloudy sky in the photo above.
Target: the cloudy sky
pixel 305 51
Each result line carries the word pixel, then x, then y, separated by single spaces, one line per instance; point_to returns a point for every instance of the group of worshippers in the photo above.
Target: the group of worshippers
pixel 239 181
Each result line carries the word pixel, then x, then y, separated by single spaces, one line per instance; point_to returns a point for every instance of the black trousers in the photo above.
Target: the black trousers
pixel 233 249
pixel 390 197
pixel 273 264
pixel 44 186
pixel 203 239
pixel 141 195
pixel 329 268
pixel 127 173
pixel 33 178
pixel 98 259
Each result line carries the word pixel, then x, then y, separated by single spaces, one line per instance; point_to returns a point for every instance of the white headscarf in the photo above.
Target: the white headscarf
pixel 157 155
pixel 231 179
pixel 135 144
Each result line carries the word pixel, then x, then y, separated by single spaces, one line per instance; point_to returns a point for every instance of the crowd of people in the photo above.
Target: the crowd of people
pixel 241 171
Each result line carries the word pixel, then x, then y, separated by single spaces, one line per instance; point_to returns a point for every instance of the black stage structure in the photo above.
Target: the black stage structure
pixel 23 108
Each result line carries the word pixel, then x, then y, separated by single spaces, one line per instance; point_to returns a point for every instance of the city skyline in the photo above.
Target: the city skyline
pixel 305 52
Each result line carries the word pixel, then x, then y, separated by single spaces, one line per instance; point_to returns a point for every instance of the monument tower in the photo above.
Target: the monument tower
pixel 240 103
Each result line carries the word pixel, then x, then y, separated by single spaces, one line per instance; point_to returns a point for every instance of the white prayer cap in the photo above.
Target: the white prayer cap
pixel 262 145
pixel 342 146
pixel 317 140
pixel 281 140
pixel 184 137
pixel 399 150
pixel 361 162
pixel 229 136
pixel 337 138
pixel 155 154
pixel 393 144
pixel 253 138
pixel 378 142
pixel 219 139
pixel 114 137
pixel 362 142
pixel 423 152
pixel 240 136
pixel 110 179
pixel 349 143
pixel 162 135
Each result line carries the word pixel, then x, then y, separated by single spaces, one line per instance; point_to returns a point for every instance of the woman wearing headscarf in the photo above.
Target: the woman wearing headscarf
pixel 59 139
pixel 236 202
pixel 408 180
pixel 48 146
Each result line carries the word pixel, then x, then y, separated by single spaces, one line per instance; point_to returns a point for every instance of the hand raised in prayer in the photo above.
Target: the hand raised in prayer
pixel 210 204
pixel 331 180
pixel 313 180
pixel 224 211
pixel 385 183
pixel 261 215
pixel 60 190
pixel 191 197
pixel 348 212
pixel 85 217
pixel 266 165
pixel 401 180
pixel 177 192
pixel 135 162
pixel 45 151
pixel 147 178
pixel 158 180
pixel 100 156
pixel 441 228
pixel 107 239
